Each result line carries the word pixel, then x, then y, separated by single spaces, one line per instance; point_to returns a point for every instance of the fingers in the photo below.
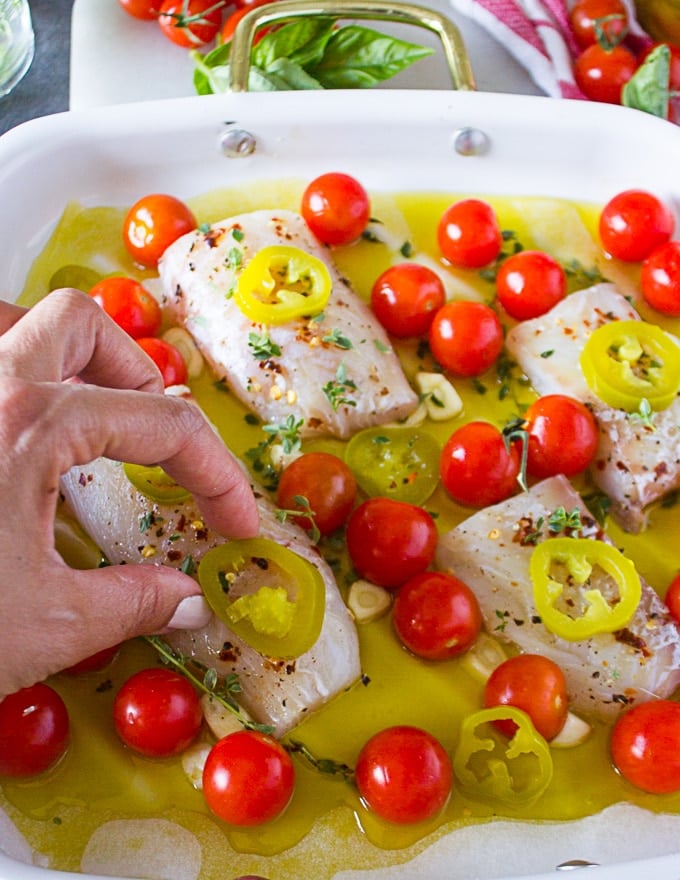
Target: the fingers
pixel 88 611
pixel 46 428
pixel 74 337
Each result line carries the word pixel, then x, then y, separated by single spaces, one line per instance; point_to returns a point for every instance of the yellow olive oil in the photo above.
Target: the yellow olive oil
pixel 326 828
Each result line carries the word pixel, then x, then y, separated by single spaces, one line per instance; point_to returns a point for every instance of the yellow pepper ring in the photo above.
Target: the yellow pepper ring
pixel 281 283
pixel 152 481
pixel 580 556
pixel 277 621
pixel 625 362
pixel 515 772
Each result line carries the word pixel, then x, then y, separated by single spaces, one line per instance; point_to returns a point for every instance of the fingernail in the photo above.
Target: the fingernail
pixel 191 613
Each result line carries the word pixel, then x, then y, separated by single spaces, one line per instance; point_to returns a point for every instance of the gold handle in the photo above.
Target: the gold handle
pixel 405 13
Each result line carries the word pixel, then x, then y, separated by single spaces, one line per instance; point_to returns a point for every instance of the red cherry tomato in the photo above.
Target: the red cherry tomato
pixel 157 713
pixel 405 298
pixel 466 338
pixel 436 616
pixel 230 22
pixel 34 731
pixel 468 234
pixel 191 23
pixel 645 746
pixel 390 541
pixel 602 73
pixel 327 484
pixel 673 598
pixel 336 208
pixel 167 358
pixel 563 436
pixel 610 15
pixel 130 305
pixel 660 279
pixel 633 223
pixel 404 775
pixel 534 684
pixel 477 468
pixel 152 224
pixel 94 662
pixel 248 778
pixel 529 284
pixel 144 9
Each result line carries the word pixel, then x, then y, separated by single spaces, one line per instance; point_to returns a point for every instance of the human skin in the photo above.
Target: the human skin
pixel 74 386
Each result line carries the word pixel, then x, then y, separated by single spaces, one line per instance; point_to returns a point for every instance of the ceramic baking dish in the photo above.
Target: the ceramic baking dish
pixel 458 141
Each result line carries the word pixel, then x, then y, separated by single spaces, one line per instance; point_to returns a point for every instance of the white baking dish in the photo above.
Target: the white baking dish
pixel 391 140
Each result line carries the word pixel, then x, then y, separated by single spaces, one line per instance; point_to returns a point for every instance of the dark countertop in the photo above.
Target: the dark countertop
pixel 45 88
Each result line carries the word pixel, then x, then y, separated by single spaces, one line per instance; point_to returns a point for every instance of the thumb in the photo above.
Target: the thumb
pixel 87 611
pixel 135 600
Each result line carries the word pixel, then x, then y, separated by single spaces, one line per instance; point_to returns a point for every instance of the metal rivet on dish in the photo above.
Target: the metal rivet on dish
pixel 470 142
pixel 237 143
pixel 575 864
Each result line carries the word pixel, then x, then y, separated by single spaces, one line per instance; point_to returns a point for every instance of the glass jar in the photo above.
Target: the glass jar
pixel 17 42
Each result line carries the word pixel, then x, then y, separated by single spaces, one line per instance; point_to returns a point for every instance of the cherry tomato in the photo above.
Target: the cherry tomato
pixel 404 775
pixel 144 9
pixel 610 15
pixel 390 541
pixel 34 731
pixel 477 468
pixel 673 598
pixel 157 713
pixel 466 338
pixel 167 358
pixel 94 662
pixel 645 746
pixel 405 298
pixel 436 615
pixel 130 305
pixel 191 23
pixel 230 22
pixel 534 684
pixel 563 436
pixel 152 224
pixel 468 234
pixel 660 279
pixel 602 73
pixel 248 778
pixel 336 208
pixel 327 484
pixel 633 223
pixel 529 284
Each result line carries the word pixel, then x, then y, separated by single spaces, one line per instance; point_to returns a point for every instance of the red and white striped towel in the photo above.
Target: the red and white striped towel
pixel 537 35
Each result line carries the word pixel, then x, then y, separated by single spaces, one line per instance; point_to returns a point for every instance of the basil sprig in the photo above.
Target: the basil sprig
pixel 312 54
pixel 648 88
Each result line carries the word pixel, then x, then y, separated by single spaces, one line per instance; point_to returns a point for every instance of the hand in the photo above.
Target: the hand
pixel 74 386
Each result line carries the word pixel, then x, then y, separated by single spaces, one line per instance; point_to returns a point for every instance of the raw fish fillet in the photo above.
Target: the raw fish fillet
pixel 123 522
pixel 634 465
pixel 604 673
pixel 197 273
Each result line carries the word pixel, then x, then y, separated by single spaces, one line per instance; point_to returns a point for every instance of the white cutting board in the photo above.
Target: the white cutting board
pixel 116 59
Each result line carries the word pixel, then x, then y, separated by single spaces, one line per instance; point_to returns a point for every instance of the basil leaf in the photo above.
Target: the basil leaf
pixel 648 89
pixel 302 41
pixel 211 71
pixel 295 76
pixel 358 57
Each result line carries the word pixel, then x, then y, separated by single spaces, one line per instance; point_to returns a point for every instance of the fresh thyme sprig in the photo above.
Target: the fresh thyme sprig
pixel 210 682
pixel 306 511
pixel 323 765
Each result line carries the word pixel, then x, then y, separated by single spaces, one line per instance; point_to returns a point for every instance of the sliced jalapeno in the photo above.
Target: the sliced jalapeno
pixel 152 481
pixel 266 594
pixel 281 283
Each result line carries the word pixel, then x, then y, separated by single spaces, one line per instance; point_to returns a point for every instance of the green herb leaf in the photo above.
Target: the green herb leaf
pixel 358 57
pixel 648 89
pixel 303 42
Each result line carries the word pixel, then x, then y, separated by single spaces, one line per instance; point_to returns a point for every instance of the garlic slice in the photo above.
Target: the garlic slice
pixel 441 399
pixel 368 601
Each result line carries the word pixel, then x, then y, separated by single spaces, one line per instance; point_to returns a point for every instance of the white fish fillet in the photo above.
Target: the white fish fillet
pixel 122 522
pixel 604 673
pixel 198 271
pixel 634 466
